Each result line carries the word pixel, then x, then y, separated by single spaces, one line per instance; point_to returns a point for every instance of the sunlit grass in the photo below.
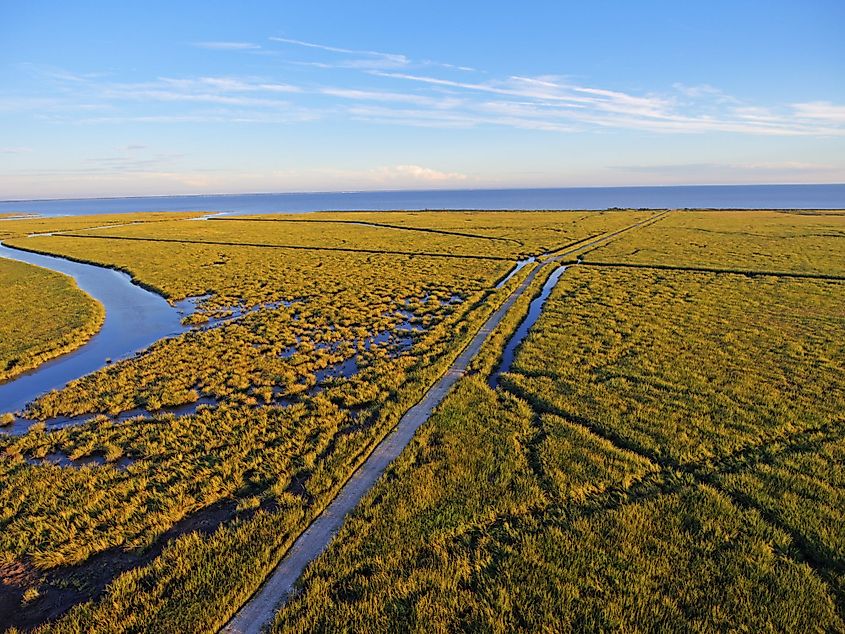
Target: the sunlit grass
pixel 461 535
pixel 653 458
pixel 687 367
pixel 776 241
pixel 43 314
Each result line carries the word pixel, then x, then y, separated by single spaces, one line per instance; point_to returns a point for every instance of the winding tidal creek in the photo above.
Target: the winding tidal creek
pixel 135 319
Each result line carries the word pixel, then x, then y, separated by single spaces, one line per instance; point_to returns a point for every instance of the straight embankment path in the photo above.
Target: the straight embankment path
pixel 262 607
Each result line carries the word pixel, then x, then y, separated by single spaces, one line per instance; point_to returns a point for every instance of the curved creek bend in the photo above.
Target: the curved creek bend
pixel 135 319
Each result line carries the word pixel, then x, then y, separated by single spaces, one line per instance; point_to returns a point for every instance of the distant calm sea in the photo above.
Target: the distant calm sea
pixel 709 196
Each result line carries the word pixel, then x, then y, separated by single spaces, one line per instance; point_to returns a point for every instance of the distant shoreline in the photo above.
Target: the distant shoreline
pixel 780 197
pixel 418 191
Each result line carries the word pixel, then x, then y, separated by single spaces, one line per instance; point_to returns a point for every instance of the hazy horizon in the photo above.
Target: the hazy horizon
pixel 411 190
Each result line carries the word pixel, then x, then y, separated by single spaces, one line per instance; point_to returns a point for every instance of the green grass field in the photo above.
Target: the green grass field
pixel 472 530
pixel 776 241
pixel 665 453
pixel 43 315
pixel 276 464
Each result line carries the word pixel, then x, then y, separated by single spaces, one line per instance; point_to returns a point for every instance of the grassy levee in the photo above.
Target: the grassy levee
pixel 375 223
pixel 296 247
pixel 488 522
pixel 531 233
pixel 44 315
pixel 714 269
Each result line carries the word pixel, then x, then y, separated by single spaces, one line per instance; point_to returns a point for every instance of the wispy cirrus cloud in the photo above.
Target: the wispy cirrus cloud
pixel 820 111
pixel 133 158
pixel 122 163
pixel 364 59
pixel 703 91
pixel 428 118
pixel 114 99
pixel 436 102
pixel 218 90
pixel 393 89
pixel 219 115
pixel 553 101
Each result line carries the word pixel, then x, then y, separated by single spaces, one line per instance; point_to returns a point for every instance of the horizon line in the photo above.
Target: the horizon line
pixel 411 191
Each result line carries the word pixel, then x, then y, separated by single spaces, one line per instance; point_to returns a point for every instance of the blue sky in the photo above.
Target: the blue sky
pixel 108 98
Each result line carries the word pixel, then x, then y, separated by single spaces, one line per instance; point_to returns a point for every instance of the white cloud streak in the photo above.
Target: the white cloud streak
pixel 821 111
pixel 389 88
pixel 552 101
pixel 372 59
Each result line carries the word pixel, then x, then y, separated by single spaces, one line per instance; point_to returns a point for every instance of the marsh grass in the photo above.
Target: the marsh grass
pixel 460 535
pixel 729 240
pixel 638 388
pixel 43 315
pixel 687 366
pixel 627 473
pixel 286 461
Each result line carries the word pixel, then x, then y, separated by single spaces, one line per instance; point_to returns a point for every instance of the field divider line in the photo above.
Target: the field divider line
pixel 707 269
pixel 300 247
pixel 260 609
pixel 377 225
pixel 806 552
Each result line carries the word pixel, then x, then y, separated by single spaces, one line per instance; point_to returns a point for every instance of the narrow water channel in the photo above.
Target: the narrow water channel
pixel 135 319
pixel 521 264
pixel 534 311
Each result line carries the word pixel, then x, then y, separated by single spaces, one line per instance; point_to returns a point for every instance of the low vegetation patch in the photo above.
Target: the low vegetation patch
pixel 673 439
pixel 773 241
pixel 44 314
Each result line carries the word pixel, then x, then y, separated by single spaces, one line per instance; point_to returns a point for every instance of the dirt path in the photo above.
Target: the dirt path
pixel 262 607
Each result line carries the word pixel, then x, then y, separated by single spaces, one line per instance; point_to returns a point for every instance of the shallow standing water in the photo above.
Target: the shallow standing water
pixel 534 311
pixel 135 319
pixel 521 264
